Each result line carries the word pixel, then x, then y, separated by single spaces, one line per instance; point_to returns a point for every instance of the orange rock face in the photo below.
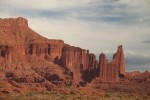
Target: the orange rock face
pixel 119 57
pixel 27 57
pixel 13 22
pixel 110 71
pixel 75 59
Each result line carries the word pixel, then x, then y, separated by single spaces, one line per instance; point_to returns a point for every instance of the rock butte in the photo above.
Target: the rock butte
pixel 26 57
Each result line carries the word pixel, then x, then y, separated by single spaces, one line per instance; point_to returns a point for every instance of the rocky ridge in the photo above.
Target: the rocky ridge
pixel 28 59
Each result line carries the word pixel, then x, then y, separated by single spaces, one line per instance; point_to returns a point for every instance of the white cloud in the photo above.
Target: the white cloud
pixel 45 4
pixel 106 51
pixel 145 55
pixel 130 52
pixel 98 25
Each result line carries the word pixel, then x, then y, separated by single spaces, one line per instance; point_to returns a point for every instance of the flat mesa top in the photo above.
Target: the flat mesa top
pixel 13 22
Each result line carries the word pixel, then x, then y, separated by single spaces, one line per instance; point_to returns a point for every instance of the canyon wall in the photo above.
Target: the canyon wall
pixel 21 48
pixel 111 71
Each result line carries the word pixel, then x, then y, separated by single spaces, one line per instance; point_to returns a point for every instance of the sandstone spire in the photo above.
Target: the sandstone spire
pixel 23 49
pixel 103 64
pixel 110 72
pixel 120 60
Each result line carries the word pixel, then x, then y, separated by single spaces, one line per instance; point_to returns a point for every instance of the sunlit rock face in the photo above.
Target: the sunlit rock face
pixel 27 57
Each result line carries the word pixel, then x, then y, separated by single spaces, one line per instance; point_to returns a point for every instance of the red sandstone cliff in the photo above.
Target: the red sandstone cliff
pixel 110 71
pixel 118 58
pixel 27 57
pixel 13 22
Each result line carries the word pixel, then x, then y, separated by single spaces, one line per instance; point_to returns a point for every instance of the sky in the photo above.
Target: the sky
pixel 97 25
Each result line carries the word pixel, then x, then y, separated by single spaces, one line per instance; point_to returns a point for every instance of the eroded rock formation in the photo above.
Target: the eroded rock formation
pixel 118 58
pixel 27 57
pixel 13 22
pixel 111 71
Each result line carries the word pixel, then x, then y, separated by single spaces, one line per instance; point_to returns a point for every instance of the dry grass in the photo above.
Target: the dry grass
pixel 53 95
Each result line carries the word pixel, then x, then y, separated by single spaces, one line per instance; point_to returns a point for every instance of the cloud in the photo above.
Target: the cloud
pixel 147 41
pixel 139 63
pixel 41 13
pixel 44 4
pixel 130 52
pixel 108 11
pixel 98 25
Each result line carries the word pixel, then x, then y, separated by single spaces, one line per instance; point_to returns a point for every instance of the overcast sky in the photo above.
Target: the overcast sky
pixel 97 25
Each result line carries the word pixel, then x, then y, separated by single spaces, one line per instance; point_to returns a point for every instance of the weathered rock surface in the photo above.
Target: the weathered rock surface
pixel 111 71
pixel 28 58
pixel 118 58
pixel 13 22
pixel 108 71
pixel 30 62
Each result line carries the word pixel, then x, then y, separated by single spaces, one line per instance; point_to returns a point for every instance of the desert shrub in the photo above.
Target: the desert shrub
pixel 72 92
pixel 30 94
pixel 107 95
pixel 79 98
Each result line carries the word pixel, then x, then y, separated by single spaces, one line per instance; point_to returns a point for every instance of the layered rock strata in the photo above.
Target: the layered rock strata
pixel 25 53
pixel 110 71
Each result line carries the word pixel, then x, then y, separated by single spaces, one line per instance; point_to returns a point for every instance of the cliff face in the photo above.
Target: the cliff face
pixel 111 71
pixel 27 57
pixel 108 71
pixel 119 59
pixel 13 22
pixel 80 62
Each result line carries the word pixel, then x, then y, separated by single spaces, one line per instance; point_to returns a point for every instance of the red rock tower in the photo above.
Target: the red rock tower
pixel 103 64
pixel 110 72
pixel 120 60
